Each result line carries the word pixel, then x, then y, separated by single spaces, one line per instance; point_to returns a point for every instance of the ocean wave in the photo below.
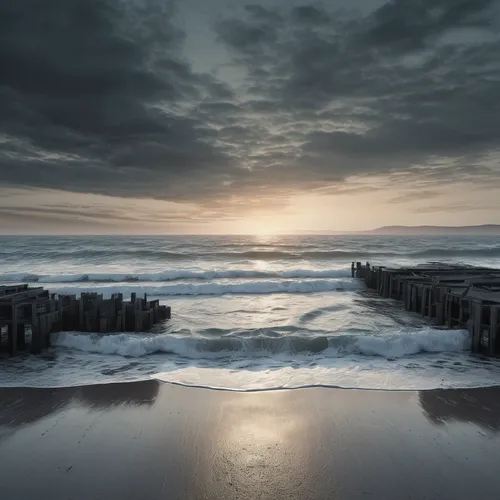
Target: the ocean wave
pixel 276 254
pixel 246 288
pixel 394 345
pixel 364 254
pixel 457 252
pixel 174 275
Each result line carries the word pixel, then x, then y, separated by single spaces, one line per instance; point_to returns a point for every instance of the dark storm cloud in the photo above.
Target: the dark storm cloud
pixel 379 93
pixel 263 14
pixel 97 96
pixel 309 14
pixel 411 25
pixel 252 35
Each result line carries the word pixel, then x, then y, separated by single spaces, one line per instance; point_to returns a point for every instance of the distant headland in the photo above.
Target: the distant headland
pixel 479 230
pixel 485 230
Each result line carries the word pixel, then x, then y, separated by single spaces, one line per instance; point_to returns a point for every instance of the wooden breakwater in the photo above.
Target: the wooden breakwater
pixel 32 309
pixel 452 296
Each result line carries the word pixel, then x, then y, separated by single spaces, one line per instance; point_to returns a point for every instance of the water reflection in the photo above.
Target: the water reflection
pixel 477 406
pixel 22 406
pixel 107 395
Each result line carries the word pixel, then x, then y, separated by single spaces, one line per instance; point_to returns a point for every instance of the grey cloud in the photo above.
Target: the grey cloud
pixel 403 105
pixel 416 195
pixel 95 96
pixel 12 222
pixel 78 213
pixel 99 98
pixel 454 207
pixel 245 37
pixel 111 215
pixel 412 24
pixel 309 14
pixel 262 14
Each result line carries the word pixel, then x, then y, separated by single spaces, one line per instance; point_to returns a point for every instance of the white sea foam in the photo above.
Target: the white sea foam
pixel 240 288
pixel 349 373
pixel 404 344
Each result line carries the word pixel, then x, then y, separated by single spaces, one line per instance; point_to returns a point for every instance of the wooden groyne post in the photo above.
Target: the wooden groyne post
pixel 452 296
pixel 22 307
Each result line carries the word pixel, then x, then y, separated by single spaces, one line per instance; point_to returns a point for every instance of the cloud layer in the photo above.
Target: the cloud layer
pixel 98 96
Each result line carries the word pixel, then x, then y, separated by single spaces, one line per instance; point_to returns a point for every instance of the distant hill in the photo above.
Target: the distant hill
pixel 484 230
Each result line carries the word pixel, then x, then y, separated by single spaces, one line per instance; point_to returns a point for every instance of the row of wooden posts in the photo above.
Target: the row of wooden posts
pixel 92 313
pixel 451 296
pixel 39 313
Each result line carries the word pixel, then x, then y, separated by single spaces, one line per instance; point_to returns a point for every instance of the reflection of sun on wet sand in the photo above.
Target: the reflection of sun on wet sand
pixel 153 440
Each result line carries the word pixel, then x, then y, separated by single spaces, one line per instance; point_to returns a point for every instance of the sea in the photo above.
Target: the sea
pixel 249 313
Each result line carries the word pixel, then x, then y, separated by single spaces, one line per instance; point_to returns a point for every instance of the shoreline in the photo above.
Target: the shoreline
pixel 245 391
pixel 153 439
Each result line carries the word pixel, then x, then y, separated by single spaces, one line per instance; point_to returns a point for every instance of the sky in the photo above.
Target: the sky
pixel 224 116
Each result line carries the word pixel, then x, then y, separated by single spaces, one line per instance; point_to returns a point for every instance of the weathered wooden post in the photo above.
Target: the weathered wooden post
pixel 138 326
pixel 151 316
pixel 138 321
pixel 461 312
pixel 477 319
pixel 492 342
pixel 440 312
pixel 119 321
pixel 385 284
pixel 48 326
pixel 358 270
pixel 81 315
pixel 445 309
pixel 39 330
pixel 59 309
pixel 124 317
pixel 398 288
pixel 21 336
pixel 103 324
pixel 414 292
pixel 12 331
pixel 430 301
pixel 423 305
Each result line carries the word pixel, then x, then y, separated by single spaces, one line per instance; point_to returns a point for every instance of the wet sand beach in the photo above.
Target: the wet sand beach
pixel 153 440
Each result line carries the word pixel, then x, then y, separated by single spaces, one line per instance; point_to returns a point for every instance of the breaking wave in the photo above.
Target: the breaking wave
pixel 293 254
pixel 174 275
pixel 246 288
pixel 395 345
